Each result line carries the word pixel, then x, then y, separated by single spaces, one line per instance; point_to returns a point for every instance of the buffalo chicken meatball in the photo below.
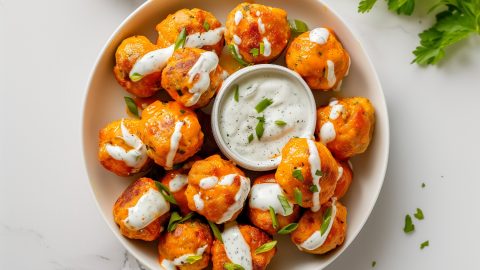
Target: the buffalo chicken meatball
pixel 171 133
pixel 240 247
pixel 120 150
pixel 128 53
pixel 346 126
pixel 217 189
pixel 307 172
pixel 187 247
pixel 203 30
pixel 141 210
pixel 319 57
pixel 192 76
pixel 266 193
pixel 257 33
pixel 322 231
pixel 345 178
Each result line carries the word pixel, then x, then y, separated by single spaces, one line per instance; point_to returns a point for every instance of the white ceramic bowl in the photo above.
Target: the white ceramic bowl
pixel 104 103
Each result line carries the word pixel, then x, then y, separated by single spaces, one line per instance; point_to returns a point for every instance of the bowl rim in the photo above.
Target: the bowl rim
pixel 84 136
pixel 226 88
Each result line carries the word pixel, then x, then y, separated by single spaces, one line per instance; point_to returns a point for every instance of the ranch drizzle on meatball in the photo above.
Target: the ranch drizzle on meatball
pixel 178 182
pixel 182 260
pixel 174 141
pixel 148 208
pixel 207 63
pixel 317 238
pixel 240 196
pixel 237 249
pixel 327 131
pixel 315 170
pixel 266 195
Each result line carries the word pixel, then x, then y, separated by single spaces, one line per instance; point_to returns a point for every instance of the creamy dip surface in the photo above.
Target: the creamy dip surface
pixel 268 102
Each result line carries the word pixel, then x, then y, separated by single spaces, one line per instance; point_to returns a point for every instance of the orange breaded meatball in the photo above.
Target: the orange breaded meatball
pixel 346 126
pixel 171 133
pixel 141 210
pixel 217 189
pixel 258 33
pixel 120 150
pixel 192 77
pixel 308 236
pixel 307 172
pixel 319 57
pixel 266 193
pixel 239 245
pixel 195 21
pixel 187 247
pixel 344 180
pixel 176 181
pixel 129 51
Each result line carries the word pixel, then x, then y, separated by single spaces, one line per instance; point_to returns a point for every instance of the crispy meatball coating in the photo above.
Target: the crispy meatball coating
pixel 182 86
pixel 311 222
pixel 120 150
pixel 194 21
pixel 323 64
pixel 129 51
pixel 346 126
pixel 171 133
pixel 294 172
pixel 269 194
pixel 250 25
pixel 254 238
pixel 344 180
pixel 130 207
pixel 191 238
pixel 217 189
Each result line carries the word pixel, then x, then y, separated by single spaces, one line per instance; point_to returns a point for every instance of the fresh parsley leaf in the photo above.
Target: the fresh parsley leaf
pixel 366 5
pixel 297 174
pixel 259 129
pixel 405 7
pixel 280 123
pixel 287 208
pixel 132 106
pixel 273 216
pixel 254 52
pixel 262 105
pixel 236 94
pixel 318 173
pixel 216 231
pixel 298 196
pixel 165 193
pixel 265 247
pixel 250 138
pixel 206 26
pixel 419 214
pixel 233 266
pixel 313 188
pixel 409 226
pixel 193 259
pixel 180 42
pixel 424 244
pixel 297 27
pixel 288 229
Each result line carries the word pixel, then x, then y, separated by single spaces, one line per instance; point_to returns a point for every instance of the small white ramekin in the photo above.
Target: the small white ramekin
pixel 240 160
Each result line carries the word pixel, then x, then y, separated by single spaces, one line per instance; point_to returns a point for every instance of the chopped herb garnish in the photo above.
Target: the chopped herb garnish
pixel 265 247
pixel 180 42
pixel 254 52
pixel 182 111
pixel 409 226
pixel 319 173
pixel 262 105
pixel 280 123
pixel 135 77
pixel 236 94
pixel 419 214
pixel 374 263
pixel 423 185
pixel 424 244
pixel 236 56
pixel 206 26
pixel 193 259
pixel 298 196
pixel 297 27
pixel 297 173
pixel 216 231
pixel 285 205
pixel 259 129
pixel 165 192
pixel 172 223
pixel 132 106
pixel 288 229
pixel 250 138
pixel 313 188
pixel 273 216
pixel 262 48
pixel 233 266
pixel 327 217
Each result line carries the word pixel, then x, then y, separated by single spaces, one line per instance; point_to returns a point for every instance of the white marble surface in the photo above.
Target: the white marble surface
pixel 48 219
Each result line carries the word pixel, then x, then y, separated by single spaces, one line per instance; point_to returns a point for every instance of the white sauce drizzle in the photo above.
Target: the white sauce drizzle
pixel 208 182
pixel 136 157
pixel 237 40
pixel 168 265
pixel 174 141
pixel 156 60
pixel 237 249
pixel 147 209
pixel 340 172
pixel 238 17
pixel 182 260
pixel 207 63
pixel 267 48
pixel 199 203
pixel 327 133
pixel 261 26
pixel 319 35
pixel 227 180
pixel 178 182
pixel 315 165
pixel 339 86
pixel 335 109
pixel 316 240
pixel 330 73
pixel 265 195
pixel 240 198
pixel 349 64
pixel 257 13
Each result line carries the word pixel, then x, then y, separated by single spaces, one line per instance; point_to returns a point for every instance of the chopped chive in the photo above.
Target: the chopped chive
pixel 206 26
pixel 319 173
pixel 259 129
pixel 423 185
pixel 236 94
pixel 298 196
pixel 193 259
pixel 232 266
pixel 313 188
pixel 419 214
pixel 236 55
pixel 174 219
pixel 135 77
pixel 409 226
pixel 273 216
pixel 285 205
pixel 182 111
pixel 132 106
pixel 262 105
pixel 327 217
pixel 180 42
pixel 250 138
pixel 374 263
pixel 297 27
pixel 254 52
pixel 265 247
pixel 216 231
pixel 424 244
pixel 262 48
pixel 288 229
pixel 297 173
pixel 165 192
pixel 280 123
